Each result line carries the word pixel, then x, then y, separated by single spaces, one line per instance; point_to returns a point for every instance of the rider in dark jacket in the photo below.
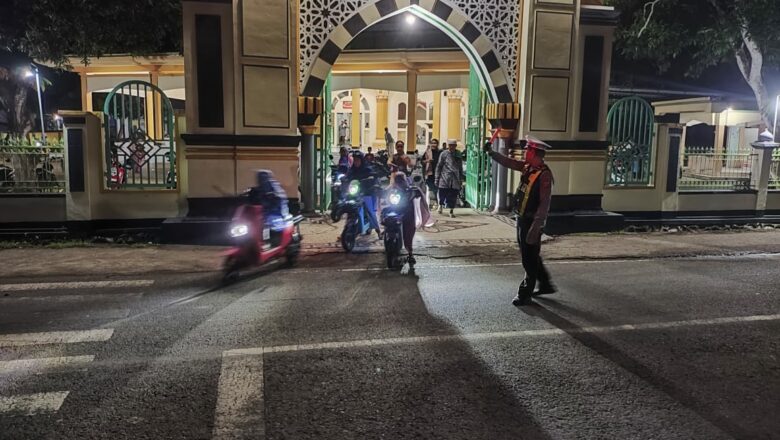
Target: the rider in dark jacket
pixel 269 194
pixel 362 171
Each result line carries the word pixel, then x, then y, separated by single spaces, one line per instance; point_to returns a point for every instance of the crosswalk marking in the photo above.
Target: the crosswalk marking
pixel 75 285
pixel 37 364
pixel 61 337
pixel 239 412
pixel 31 404
pixel 43 402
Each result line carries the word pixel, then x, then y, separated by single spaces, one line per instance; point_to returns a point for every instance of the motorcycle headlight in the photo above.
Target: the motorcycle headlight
pixel 394 198
pixel 354 188
pixel 239 231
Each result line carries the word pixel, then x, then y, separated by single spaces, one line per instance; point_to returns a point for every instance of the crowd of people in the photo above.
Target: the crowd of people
pixel 441 176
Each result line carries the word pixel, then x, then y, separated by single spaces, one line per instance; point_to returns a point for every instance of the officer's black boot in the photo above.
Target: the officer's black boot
pixel 547 289
pixel 523 297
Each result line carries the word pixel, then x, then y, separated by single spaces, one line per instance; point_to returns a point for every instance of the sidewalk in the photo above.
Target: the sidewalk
pixel 492 237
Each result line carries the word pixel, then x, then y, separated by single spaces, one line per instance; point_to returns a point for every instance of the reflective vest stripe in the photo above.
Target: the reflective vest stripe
pixel 529 188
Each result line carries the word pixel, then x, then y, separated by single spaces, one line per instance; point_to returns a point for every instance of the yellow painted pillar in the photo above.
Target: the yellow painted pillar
pixel 382 102
pixel 411 111
pixel 356 128
pixel 158 105
pixel 86 104
pixel 437 116
pixel 454 98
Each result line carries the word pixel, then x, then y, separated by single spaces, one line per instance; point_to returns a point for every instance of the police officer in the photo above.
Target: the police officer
pixel 533 204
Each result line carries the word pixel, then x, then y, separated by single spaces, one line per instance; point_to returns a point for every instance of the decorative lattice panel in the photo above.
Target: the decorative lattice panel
pixel 496 19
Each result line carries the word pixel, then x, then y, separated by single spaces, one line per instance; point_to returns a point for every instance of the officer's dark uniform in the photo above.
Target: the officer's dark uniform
pixel 533 204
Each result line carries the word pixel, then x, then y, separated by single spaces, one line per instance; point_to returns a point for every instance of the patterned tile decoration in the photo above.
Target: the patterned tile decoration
pixel 497 20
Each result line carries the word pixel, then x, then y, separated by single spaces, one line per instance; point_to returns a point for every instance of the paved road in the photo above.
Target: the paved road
pixel 341 349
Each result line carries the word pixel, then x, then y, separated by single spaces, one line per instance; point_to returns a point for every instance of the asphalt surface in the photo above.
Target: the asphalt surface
pixel 340 348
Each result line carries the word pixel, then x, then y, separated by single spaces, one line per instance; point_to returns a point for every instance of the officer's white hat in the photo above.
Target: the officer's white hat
pixel 532 142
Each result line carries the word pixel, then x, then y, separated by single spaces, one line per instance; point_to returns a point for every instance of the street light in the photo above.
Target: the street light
pixel 28 74
pixel 774 127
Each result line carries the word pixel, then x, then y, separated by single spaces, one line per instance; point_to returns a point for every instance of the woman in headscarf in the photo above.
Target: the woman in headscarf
pixel 416 215
pixel 345 160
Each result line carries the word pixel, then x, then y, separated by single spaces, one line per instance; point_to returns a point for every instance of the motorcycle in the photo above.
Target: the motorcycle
pixel 399 201
pixel 255 244
pixel 357 222
pixel 338 182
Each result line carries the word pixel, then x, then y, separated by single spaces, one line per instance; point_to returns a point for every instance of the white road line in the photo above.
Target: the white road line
pixel 240 409
pixel 467 265
pixel 548 262
pixel 30 404
pixel 75 285
pixel 63 337
pixel 497 335
pixel 39 364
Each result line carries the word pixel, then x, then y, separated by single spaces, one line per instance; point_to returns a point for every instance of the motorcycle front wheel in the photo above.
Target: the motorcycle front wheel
pixel 349 234
pixel 230 270
pixel 392 251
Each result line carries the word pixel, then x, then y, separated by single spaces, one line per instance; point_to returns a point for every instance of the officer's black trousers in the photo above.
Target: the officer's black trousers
pixel 532 260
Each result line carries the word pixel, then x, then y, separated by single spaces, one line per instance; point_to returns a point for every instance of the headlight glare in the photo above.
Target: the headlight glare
pixel 239 231
pixel 354 188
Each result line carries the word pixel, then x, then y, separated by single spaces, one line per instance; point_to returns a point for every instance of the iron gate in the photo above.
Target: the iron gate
pixel 478 164
pixel 324 149
pixel 140 148
pixel 629 159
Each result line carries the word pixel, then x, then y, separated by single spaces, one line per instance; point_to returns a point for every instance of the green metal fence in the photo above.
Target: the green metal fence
pixel 140 151
pixel 478 164
pixel 630 135
pixel 31 168
pixel 703 168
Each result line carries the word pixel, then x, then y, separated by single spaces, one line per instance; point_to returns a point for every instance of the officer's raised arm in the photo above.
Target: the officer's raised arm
pixel 506 161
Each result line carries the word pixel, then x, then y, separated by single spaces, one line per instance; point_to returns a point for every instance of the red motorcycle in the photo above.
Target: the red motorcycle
pixel 256 243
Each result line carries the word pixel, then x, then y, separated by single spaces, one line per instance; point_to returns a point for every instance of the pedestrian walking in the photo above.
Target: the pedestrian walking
pixel 533 196
pixel 388 139
pixel 431 159
pixel 449 176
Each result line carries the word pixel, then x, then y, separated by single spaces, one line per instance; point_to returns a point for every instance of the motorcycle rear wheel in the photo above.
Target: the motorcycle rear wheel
pixel 293 251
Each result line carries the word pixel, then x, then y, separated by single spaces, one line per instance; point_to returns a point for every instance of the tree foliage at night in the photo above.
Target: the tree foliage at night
pixel 52 30
pixel 700 34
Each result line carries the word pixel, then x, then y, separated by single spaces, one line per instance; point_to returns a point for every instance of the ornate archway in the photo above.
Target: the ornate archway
pixel 486 31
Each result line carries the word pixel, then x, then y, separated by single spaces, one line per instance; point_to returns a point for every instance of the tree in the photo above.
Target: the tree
pixel 15 101
pixel 52 30
pixel 704 33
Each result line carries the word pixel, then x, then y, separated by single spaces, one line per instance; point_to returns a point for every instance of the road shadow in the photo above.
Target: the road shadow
pixel 141 384
pixel 631 365
pixel 425 389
